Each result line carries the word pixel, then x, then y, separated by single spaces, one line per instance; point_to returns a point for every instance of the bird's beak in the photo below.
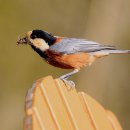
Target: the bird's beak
pixel 23 40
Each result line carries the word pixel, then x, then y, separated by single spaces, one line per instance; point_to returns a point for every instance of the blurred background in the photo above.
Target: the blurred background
pixel 103 21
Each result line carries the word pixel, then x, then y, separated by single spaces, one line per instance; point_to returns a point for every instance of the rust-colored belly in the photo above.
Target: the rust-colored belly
pixel 71 61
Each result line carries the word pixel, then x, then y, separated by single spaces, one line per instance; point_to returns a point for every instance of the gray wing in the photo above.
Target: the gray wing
pixel 73 45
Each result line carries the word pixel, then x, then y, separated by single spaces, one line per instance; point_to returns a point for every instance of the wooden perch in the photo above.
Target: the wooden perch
pixel 50 105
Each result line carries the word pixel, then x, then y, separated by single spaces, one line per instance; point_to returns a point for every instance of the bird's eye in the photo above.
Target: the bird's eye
pixel 33 36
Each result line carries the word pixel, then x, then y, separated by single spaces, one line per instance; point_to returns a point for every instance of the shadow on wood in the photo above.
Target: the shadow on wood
pixel 50 105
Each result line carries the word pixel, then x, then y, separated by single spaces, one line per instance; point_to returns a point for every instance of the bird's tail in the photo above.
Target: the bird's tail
pixel 106 52
pixel 118 51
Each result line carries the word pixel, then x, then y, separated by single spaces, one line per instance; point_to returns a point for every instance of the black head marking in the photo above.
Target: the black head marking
pixel 49 38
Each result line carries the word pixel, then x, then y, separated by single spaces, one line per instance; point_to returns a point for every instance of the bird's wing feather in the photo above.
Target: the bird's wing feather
pixel 73 45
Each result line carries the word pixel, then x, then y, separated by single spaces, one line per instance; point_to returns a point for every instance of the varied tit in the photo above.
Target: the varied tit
pixel 67 53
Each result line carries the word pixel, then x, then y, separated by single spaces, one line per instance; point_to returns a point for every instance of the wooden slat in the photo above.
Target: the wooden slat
pixel 51 105
pixel 113 120
pixel 74 107
pixel 96 112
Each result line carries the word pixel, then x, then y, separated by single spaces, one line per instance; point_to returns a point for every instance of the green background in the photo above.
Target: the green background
pixel 103 21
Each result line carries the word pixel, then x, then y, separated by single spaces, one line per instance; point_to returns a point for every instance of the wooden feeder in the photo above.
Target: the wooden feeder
pixel 51 105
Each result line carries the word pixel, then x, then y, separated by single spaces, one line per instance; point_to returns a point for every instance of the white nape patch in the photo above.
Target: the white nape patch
pixel 40 43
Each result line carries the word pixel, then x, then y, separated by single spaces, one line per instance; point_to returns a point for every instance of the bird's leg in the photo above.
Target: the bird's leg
pixel 66 76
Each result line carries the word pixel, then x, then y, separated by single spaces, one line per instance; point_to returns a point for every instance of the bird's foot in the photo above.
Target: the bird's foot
pixel 69 83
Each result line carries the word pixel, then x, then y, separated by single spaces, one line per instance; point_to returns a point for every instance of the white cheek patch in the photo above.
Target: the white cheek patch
pixel 40 43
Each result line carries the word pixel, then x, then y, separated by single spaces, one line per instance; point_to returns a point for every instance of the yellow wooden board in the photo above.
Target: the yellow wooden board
pixel 51 105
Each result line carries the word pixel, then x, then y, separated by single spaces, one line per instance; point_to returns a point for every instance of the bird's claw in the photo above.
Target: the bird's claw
pixel 69 83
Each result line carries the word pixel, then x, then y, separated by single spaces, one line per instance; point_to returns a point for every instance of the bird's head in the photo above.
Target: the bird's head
pixel 38 39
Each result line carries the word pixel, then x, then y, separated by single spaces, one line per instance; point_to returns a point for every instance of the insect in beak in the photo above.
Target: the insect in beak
pixel 23 40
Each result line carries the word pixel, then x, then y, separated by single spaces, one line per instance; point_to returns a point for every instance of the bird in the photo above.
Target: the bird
pixel 67 53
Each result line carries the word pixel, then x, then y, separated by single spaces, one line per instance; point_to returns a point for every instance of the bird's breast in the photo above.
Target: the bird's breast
pixel 68 61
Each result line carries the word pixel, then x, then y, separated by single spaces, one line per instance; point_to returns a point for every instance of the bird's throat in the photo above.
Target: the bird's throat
pixel 40 52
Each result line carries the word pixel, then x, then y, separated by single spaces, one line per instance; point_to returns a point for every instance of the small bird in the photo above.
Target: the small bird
pixel 67 53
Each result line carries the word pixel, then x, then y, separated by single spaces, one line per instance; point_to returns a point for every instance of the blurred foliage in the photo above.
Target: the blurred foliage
pixel 104 21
